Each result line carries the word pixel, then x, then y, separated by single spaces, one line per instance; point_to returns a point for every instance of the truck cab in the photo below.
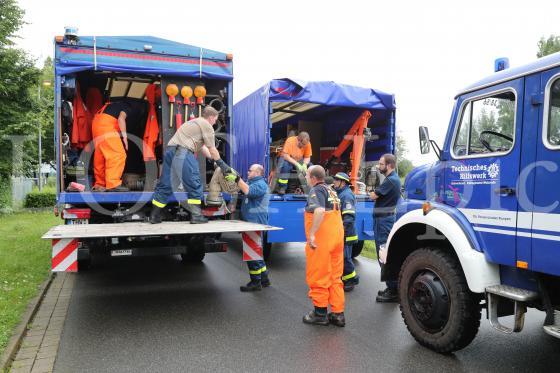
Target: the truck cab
pixel 480 227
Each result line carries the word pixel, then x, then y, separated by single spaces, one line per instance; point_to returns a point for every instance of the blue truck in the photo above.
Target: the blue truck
pixel 328 111
pixel 139 70
pixel 480 227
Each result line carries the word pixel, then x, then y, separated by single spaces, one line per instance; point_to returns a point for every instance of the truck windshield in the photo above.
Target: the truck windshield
pixel 487 125
pixel 554 114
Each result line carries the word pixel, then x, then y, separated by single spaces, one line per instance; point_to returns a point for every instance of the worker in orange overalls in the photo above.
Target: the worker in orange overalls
pixel 324 251
pixel 296 154
pixel 109 125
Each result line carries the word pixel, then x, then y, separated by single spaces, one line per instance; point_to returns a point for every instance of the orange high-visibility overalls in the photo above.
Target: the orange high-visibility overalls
pixel 325 263
pixel 109 157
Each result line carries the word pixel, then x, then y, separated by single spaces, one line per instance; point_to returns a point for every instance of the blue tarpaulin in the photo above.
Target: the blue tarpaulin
pixel 251 116
pixel 141 55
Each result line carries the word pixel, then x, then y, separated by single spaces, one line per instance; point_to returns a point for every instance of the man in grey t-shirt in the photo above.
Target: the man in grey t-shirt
pixel 180 163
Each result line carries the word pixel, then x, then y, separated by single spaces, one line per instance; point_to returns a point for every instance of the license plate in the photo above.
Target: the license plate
pixel 78 221
pixel 121 252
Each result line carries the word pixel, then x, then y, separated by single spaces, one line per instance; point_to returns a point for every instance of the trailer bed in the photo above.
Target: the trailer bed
pixel 147 229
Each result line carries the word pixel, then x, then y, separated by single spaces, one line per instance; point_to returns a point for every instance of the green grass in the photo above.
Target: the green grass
pixel 24 264
pixel 369 250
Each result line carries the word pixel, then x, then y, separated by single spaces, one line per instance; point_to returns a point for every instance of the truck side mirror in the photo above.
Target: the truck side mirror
pixel 424 140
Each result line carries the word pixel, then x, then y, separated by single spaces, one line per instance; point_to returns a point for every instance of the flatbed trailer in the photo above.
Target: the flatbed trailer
pixel 74 242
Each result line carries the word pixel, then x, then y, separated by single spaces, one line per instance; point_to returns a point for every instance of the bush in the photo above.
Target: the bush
pixel 40 199
pixel 5 195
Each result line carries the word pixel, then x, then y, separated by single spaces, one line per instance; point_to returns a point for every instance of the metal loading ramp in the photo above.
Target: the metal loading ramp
pixel 147 229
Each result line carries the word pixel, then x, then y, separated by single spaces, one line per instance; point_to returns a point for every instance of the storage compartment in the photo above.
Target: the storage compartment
pixel 327 127
pixel 96 88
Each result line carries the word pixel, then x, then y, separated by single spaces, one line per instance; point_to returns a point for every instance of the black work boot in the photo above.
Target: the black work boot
pixel 317 317
pixel 155 215
pixel 196 215
pixel 253 285
pixel 381 292
pixel 265 281
pixel 348 286
pixel 337 319
pixel 388 296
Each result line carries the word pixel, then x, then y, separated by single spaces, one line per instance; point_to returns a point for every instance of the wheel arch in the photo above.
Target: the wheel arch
pixel 415 230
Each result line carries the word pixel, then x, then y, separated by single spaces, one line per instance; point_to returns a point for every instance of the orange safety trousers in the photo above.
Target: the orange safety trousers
pixel 109 157
pixel 325 263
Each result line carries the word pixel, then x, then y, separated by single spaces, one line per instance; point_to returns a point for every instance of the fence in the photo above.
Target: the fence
pixel 21 186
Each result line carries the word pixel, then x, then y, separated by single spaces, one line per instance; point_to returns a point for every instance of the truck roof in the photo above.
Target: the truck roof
pixel 159 45
pixel 544 63
pixel 141 54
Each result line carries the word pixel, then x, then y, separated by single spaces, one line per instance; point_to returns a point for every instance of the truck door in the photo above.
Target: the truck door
pixel 481 173
pixel 545 227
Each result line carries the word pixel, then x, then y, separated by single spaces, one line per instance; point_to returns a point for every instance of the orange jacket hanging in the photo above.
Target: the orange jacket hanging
pixel 81 126
pixel 151 133
pixel 94 100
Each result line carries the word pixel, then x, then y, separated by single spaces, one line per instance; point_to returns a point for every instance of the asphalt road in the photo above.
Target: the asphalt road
pixel 155 314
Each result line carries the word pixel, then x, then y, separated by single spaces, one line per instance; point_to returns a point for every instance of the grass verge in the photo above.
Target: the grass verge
pixel 24 264
pixel 369 250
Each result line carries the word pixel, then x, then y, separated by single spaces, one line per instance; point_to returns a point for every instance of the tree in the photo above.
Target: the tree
pixel 18 79
pixel 548 46
pixel 404 166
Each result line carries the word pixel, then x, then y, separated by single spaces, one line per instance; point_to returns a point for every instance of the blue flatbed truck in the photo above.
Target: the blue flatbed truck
pixel 120 68
pixel 480 228
pixel 327 111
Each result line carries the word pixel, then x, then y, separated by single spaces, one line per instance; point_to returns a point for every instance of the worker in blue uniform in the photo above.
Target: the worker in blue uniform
pixel 348 209
pixel 254 209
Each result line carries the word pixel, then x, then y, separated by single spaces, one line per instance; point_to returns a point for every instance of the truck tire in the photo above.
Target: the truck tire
pixel 193 256
pixel 357 248
pixel 84 264
pixel 436 304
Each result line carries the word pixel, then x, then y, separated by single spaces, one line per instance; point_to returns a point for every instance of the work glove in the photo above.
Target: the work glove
pixel 302 168
pixel 223 165
pixel 233 176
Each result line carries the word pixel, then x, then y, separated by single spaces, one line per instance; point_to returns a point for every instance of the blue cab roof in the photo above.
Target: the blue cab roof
pixel 541 64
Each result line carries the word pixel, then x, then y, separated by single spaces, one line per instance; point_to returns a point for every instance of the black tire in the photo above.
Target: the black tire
pixel 193 256
pixel 267 247
pixel 357 248
pixel 436 304
pixel 84 264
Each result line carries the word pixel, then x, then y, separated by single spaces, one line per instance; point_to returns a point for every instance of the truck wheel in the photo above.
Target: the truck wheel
pixel 357 248
pixel 84 264
pixel 192 256
pixel 436 304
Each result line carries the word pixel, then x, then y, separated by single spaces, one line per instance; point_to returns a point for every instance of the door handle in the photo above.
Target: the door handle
pixel 505 191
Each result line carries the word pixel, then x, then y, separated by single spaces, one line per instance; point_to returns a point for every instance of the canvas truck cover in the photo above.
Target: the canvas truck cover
pixel 141 55
pixel 251 115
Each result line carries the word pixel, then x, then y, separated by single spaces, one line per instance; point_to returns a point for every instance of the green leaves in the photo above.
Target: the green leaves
pixel 19 104
pixel 548 46
pixel 11 19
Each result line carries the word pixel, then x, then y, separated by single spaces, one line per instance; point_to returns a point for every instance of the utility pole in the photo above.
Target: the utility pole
pixel 39 181
pixel 46 83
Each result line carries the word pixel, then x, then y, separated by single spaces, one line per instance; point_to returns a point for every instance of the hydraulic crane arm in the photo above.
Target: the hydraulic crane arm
pixel 354 136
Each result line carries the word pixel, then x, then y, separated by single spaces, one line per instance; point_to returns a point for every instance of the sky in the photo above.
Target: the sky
pixel 423 52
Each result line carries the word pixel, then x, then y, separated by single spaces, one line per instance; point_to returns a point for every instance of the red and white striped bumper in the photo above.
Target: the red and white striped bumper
pixel 65 255
pixel 252 246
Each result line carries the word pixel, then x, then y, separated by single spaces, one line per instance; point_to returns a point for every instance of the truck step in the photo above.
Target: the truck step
pixel 554 329
pixel 518 296
pixel 513 293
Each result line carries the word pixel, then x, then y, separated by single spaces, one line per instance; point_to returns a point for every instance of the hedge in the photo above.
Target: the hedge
pixel 40 199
